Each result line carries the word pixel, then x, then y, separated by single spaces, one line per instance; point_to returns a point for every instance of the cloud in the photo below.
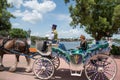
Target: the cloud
pixel 33 10
pixel 17 13
pixel 32 17
pixel 62 17
pixel 35 34
pixel 15 24
pixel 74 33
pixel 16 3
pixel 44 7
pixel 28 16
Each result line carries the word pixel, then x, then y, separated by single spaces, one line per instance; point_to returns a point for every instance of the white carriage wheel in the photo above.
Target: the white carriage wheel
pixel 43 68
pixel 56 61
pixel 101 67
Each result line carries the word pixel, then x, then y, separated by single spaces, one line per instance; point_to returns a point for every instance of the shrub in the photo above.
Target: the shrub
pixel 115 50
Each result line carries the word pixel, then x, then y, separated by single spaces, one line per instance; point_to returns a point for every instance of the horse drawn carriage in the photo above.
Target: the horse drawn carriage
pixel 95 61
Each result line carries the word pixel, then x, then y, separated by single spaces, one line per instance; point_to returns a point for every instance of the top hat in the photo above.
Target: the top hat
pixel 54 26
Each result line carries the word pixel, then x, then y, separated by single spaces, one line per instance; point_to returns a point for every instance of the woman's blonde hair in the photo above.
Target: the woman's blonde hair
pixel 82 36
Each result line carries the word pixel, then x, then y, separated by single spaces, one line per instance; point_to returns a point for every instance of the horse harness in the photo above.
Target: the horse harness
pixel 3 43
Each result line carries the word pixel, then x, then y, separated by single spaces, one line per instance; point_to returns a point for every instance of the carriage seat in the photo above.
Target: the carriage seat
pixel 44 47
pixel 33 50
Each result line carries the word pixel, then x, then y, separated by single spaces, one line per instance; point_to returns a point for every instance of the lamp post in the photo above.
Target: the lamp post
pixel 29 32
pixel 29 38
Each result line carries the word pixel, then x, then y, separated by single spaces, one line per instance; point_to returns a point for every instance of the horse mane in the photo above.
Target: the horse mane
pixel 21 45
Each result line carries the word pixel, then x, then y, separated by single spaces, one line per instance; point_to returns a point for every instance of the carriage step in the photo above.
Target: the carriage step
pixel 76 73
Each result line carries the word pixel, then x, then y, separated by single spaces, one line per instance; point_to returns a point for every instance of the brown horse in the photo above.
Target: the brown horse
pixel 15 45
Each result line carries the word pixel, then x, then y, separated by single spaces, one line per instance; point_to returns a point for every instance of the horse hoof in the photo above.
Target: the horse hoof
pixel 28 70
pixel 12 69
pixel 2 67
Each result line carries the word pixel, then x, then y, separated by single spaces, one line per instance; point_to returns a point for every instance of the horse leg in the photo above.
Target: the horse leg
pixel 1 64
pixel 13 68
pixel 28 68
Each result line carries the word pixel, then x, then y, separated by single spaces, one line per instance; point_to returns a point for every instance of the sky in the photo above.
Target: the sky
pixel 39 15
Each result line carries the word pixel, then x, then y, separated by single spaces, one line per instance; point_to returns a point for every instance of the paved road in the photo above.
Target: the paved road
pixel 62 73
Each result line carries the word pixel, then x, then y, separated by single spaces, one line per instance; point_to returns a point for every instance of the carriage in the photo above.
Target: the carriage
pixel 95 61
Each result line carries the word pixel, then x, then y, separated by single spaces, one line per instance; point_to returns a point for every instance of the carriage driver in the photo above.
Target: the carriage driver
pixel 54 34
pixel 52 38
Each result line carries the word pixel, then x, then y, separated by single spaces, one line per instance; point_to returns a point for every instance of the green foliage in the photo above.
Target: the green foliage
pixel 115 50
pixel 34 38
pixel 5 15
pixel 100 18
pixel 4 33
pixel 17 33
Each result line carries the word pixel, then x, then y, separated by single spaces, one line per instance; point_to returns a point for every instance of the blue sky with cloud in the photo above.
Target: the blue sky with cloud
pixel 39 15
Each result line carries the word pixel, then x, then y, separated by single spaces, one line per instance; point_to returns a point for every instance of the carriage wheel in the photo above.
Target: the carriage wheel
pixel 43 68
pixel 101 67
pixel 56 62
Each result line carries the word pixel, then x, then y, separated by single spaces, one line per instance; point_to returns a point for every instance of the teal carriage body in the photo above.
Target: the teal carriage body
pixel 96 62
pixel 102 47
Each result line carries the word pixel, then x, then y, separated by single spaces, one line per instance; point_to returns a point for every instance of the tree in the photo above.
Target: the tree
pixel 4 33
pixel 17 33
pixel 100 18
pixel 5 15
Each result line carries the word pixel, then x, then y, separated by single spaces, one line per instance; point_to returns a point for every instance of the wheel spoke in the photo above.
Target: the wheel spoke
pixel 108 73
pixel 39 72
pixel 56 62
pixel 47 73
pixel 99 77
pixel 96 76
pixel 39 63
pixel 93 74
pixel 109 70
pixel 103 76
pixel 91 71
